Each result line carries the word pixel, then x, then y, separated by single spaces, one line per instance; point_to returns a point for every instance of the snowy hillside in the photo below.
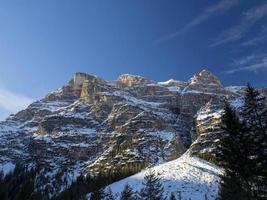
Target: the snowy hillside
pixel 191 177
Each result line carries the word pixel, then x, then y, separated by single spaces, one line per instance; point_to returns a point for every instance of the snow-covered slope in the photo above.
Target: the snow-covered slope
pixel 190 177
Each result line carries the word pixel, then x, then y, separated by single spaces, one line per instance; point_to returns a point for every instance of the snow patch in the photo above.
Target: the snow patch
pixel 216 115
pixel 7 168
pixel 235 89
pixel 192 177
pixel 167 82
pixel 163 135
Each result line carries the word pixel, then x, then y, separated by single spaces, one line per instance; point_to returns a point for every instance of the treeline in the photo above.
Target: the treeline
pixel 243 149
pixel 152 190
pixel 18 185
pixel 94 183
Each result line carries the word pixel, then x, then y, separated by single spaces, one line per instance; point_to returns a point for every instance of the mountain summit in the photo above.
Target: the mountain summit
pixel 205 77
pixel 92 126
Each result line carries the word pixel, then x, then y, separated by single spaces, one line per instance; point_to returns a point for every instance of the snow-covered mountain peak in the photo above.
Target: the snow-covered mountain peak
pixel 205 77
pixel 205 82
pixel 91 125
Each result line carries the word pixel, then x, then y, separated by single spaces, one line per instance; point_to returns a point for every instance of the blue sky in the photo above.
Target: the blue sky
pixel 43 43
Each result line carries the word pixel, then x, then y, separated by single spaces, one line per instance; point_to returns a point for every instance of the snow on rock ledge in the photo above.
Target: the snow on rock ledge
pixel 193 177
pixel 129 80
pixel 7 168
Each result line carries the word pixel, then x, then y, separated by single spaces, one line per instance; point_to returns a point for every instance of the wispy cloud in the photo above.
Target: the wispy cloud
pixel 239 31
pixel 12 101
pixel 261 37
pixel 254 41
pixel 245 60
pixel 211 11
pixel 250 63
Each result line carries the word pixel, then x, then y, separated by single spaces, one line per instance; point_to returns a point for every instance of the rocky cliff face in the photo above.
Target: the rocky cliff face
pixel 91 125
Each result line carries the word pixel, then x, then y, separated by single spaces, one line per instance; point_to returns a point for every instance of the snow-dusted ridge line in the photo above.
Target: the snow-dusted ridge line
pixel 192 176
pixel 170 81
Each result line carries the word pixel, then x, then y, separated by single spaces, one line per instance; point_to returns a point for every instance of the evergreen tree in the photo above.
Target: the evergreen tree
pixel 172 197
pixel 233 156
pixel 254 110
pixel 127 193
pixel 153 189
pixel 3 188
pixel 109 195
pixel 98 195
pixel 231 187
pixel 254 113
pixel 18 185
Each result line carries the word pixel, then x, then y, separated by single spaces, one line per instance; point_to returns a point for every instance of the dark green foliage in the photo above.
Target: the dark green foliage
pixel 18 185
pixel 172 197
pixel 231 188
pixel 243 150
pixel 127 193
pixel 233 157
pixel 255 115
pixel 153 189
pixel 98 194
pixel 208 156
pixel 84 185
pixel 3 188
pixel 255 110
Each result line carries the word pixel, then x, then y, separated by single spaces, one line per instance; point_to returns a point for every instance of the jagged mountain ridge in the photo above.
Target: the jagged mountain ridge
pixel 92 124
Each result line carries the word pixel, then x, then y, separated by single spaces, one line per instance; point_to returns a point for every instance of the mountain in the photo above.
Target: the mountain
pixel 91 126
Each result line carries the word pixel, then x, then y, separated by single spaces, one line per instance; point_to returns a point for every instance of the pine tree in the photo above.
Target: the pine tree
pixel 179 195
pixel 255 110
pixel 172 197
pixel 254 113
pixel 231 188
pixel 127 193
pixel 109 195
pixel 153 189
pixel 3 188
pixel 233 156
pixel 98 195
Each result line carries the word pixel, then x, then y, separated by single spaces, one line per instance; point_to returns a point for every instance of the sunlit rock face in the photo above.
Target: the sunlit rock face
pixel 205 81
pixel 128 80
pixel 91 124
pixel 207 128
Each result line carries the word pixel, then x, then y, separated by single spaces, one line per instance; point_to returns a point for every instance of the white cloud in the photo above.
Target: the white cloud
pixel 239 31
pixel 216 9
pixel 12 101
pixel 250 63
